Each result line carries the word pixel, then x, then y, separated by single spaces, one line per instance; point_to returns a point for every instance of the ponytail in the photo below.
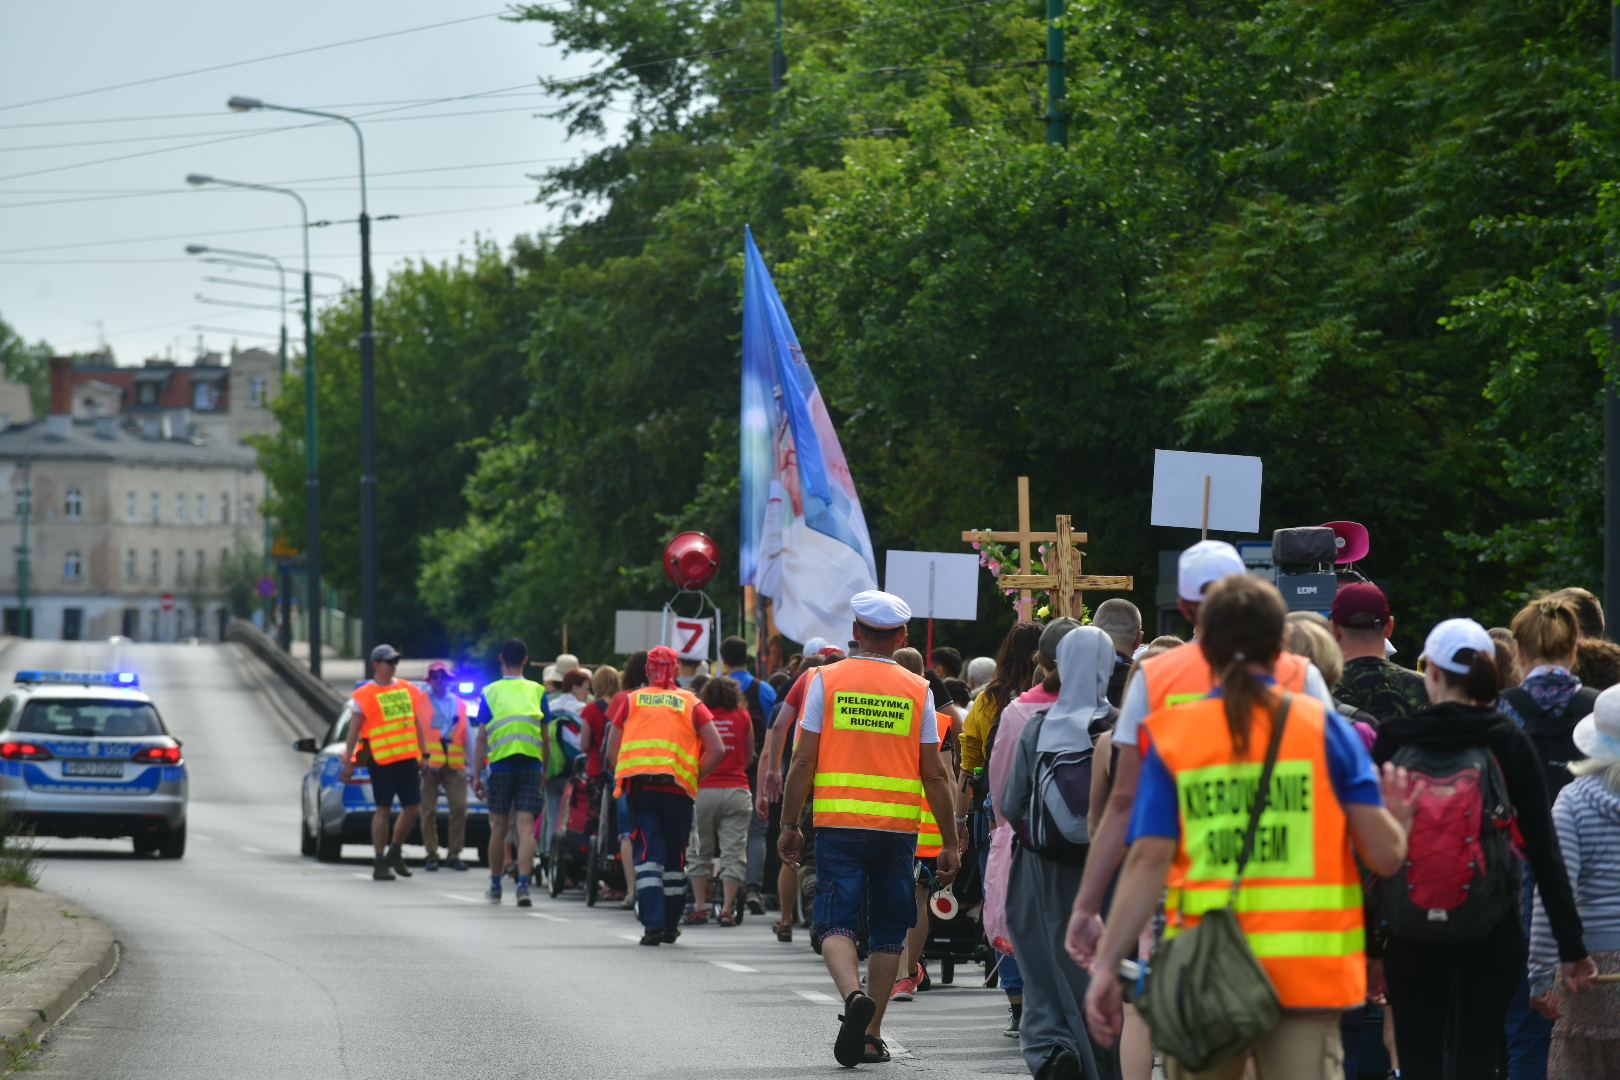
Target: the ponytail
pixel 1481 683
pixel 1240 623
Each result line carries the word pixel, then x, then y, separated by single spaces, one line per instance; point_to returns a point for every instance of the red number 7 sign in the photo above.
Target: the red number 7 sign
pixel 697 630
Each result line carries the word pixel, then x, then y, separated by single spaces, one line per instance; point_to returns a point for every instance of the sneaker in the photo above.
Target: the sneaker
pixel 396 859
pixel 654 936
pixel 923 981
pixel 523 897
pixel 1012 1025
pixel 430 864
pixel 493 894
pixel 455 864
pixel 380 871
pixel 904 989
pixel 671 935
pixel 756 903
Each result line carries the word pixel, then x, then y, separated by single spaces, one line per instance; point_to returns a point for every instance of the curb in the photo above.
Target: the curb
pixel 52 953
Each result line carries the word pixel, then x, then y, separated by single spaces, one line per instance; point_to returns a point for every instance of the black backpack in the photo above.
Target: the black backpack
pixel 1048 795
pixel 1461 877
pixel 1553 732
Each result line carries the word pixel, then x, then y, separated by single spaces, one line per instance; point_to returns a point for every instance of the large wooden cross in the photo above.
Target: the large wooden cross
pixel 1068 583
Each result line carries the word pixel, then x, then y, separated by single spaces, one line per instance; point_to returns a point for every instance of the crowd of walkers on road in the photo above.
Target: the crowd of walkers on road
pixel 1268 851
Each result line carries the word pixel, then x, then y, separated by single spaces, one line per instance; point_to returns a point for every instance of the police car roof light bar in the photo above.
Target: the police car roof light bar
pixel 127 680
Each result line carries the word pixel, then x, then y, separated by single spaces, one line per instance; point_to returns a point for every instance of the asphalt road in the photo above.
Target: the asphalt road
pixel 245 959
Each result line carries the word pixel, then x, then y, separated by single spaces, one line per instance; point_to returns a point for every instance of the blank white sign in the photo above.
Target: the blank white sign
pixel 1178 491
pixel 634 631
pixel 936 584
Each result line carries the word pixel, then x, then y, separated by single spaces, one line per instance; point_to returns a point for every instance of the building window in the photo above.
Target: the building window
pixel 225 509
pixel 202 509
pixel 201 568
pixel 73 566
pixel 157 509
pixel 256 392
pixel 247 509
pixel 180 566
pixel 73 504
pixel 130 568
pixel 146 393
pixel 19 502
pixel 204 396
pixel 157 566
pixel 132 508
pixel 179 509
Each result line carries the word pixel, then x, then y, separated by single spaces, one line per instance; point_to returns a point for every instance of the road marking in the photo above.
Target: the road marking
pixel 458 896
pixel 729 966
pixel 252 850
pixel 631 937
pixel 818 997
pixel 895 1049
pixel 553 918
pixel 200 836
pixel 362 877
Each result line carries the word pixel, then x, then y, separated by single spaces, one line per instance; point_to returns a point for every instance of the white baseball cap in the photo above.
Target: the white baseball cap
pixel 1598 735
pixel 814 645
pixel 1440 648
pixel 1203 564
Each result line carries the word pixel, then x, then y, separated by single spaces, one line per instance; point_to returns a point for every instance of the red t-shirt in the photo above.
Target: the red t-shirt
pixel 597 720
pixel 619 710
pixel 733 726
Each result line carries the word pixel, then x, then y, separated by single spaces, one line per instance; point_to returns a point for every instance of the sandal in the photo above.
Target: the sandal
pixel 879 1052
pixel 850 1047
pixel 784 930
pixel 727 919
pixel 696 917
pixel 605 893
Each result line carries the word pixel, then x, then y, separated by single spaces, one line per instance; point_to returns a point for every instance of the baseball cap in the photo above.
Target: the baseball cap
pixel 1360 605
pixel 1598 735
pixel 1203 564
pixel 814 646
pixel 384 652
pixel 440 665
pixel 1440 648
pixel 1055 632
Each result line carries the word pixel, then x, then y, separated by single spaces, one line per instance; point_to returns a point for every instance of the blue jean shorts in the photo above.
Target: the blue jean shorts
pixel 865 864
pixel 514 790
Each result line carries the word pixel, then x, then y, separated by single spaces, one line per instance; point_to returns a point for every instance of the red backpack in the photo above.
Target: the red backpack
pixel 1461 876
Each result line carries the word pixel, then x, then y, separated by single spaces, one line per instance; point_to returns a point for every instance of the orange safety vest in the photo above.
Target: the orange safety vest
pixel 389 720
pixel 929 840
pixel 1183 675
pixel 1300 899
pixel 440 753
pixel 867 773
pixel 659 739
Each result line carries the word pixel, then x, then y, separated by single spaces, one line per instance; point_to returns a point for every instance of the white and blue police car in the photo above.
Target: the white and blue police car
pixel 85 753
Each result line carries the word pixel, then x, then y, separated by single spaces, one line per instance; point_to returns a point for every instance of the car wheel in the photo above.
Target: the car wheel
pixel 145 845
pixel 172 844
pixel 328 847
pixel 306 840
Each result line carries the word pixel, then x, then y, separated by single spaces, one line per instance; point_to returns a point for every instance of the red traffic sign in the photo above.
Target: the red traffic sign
pixel 266 587
pixel 166 601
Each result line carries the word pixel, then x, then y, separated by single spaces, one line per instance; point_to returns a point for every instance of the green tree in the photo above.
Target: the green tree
pixel 27 364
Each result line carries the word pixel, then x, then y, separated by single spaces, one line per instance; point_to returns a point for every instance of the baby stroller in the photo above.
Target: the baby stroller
pixel 571 846
pixel 960 939
pixel 602 866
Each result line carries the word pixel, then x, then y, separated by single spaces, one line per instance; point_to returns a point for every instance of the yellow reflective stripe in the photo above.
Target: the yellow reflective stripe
pixel 1308 942
pixel 865 780
pixel 1182 699
pixel 861 806
pixel 658 764
pixel 1275 898
pixel 673 747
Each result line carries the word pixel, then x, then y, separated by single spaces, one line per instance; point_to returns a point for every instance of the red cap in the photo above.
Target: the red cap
pixel 1361 605
pixel 440 665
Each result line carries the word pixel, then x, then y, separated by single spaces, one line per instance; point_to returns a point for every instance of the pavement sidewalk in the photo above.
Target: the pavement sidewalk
pixel 52 953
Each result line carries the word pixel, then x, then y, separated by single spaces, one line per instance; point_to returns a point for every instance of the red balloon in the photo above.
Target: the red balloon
pixel 691 559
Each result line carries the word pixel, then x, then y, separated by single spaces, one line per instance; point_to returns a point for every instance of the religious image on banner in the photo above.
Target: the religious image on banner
pixel 804 538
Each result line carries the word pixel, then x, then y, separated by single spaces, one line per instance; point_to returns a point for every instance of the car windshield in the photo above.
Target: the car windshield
pixel 340 729
pixel 101 719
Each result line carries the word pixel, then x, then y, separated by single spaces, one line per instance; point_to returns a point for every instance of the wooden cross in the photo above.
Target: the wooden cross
pixel 1068 583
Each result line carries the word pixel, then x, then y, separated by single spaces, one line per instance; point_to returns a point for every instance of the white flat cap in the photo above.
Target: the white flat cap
pixel 880 610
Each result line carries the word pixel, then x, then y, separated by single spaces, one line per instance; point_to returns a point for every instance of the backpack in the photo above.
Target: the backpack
pixel 1461 876
pixel 1048 796
pixel 1553 732
pixel 756 713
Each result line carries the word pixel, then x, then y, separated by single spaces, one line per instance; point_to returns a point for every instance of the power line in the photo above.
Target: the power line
pixel 209 115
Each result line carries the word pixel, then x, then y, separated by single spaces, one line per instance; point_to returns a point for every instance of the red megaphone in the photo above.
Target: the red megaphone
pixel 691 559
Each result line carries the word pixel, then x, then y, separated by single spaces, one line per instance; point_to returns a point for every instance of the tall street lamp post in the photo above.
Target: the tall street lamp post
pixel 368 404
pixel 312 477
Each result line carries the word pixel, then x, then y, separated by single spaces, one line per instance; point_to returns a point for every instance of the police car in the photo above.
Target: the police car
pixel 336 813
pixel 85 753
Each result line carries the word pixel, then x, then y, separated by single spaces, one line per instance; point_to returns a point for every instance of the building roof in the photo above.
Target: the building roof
pixel 125 446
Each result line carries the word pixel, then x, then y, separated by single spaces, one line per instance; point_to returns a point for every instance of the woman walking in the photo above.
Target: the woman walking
pixel 1299 900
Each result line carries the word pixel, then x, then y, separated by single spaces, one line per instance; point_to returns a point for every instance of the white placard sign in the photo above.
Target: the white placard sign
pixel 1178 491
pixel 636 631
pixel 936 584
pixel 689 637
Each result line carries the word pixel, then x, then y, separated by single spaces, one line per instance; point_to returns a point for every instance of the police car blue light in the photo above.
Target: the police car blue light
pixel 126 679
pixel 467 687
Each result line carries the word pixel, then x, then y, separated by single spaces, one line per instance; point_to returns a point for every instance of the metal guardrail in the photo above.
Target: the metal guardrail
pixel 322 698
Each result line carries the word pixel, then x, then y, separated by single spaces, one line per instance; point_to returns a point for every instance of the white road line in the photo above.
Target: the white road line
pixel 817 996
pixel 631 937
pixel 200 836
pixel 729 966
pixel 553 918
pixel 458 896
pixel 252 850
pixel 362 877
pixel 895 1049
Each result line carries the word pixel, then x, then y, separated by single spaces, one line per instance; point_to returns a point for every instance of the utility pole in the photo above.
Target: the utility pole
pixel 1611 406
pixel 778 57
pixel 1057 116
pixel 25 624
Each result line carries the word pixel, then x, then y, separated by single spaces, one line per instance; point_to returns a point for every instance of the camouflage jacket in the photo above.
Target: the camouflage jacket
pixel 1384 689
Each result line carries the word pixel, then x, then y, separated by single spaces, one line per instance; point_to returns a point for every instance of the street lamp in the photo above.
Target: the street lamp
pixel 312 478
pixel 369 615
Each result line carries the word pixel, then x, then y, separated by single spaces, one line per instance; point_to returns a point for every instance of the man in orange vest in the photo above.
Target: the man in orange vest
pixel 446 754
pixel 654 751
pixel 392 715
pixel 869 742
pixel 1171 678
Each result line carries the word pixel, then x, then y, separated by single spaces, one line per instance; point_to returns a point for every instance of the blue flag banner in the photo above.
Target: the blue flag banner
pixel 804 538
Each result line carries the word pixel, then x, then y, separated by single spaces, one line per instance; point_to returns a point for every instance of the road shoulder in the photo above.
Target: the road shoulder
pixel 52 953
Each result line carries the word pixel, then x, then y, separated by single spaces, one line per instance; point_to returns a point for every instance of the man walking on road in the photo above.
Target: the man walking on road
pixel 512 741
pixel 654 750
pixel 446 753
pixel 391 715
pixel 869 742
pixel 760 698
